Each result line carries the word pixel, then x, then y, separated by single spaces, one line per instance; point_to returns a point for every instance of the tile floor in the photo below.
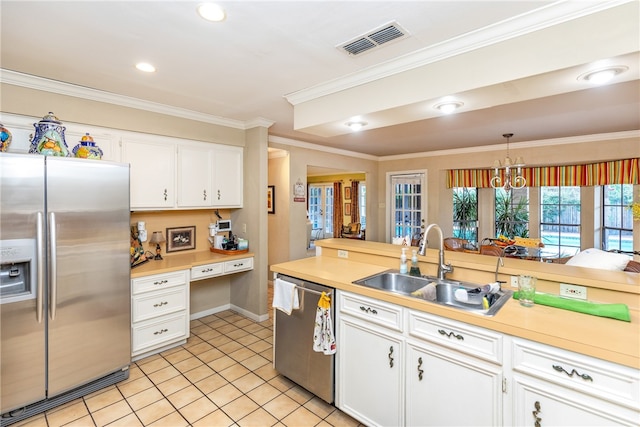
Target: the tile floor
pixel 222 376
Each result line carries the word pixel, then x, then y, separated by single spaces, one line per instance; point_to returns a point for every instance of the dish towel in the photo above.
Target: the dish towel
pixel 613 311
pixel 285 296
pixel 323 339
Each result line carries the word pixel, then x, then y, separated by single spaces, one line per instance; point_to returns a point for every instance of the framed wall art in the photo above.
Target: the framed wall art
pixel 347 193
pixel 271 199
pixel 347 209
pixel 181 238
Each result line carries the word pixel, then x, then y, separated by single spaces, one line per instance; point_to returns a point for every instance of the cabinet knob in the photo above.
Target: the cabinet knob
pixel 166 194
pixel 391 357
pixel 535 413
pixel 420 370
pixel 219 195
pixel 204 193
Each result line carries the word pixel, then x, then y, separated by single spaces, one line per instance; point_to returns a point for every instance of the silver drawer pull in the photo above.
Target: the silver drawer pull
pixel 535 413
pixel 368 310
pixel 391 357
pixel 451 334
pixel 420 370
pixel 160 304
pixel 161 282
pixel 160 332
pixel 207 270
pixel 573 371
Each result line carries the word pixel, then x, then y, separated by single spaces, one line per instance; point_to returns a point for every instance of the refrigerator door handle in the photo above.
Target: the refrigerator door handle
pixel 40 266
pixel 53 268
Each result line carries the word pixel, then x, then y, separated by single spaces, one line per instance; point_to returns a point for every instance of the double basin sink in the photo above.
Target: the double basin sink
pixel 452 293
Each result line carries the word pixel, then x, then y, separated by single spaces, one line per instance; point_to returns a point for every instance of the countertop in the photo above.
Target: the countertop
pixel 599 337
pixel 183 262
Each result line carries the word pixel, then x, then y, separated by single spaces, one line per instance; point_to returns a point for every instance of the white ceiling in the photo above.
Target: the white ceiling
pixel 514 64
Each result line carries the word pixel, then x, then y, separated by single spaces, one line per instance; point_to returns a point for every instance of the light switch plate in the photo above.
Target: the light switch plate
pixel 343 254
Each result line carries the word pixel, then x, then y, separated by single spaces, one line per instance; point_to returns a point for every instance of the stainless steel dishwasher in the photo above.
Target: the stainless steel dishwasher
pixel 294 356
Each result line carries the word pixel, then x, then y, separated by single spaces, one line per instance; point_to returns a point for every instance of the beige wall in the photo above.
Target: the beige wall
pixel 278 222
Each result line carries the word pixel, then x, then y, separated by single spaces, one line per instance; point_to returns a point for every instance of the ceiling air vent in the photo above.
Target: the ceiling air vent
pixel 373 39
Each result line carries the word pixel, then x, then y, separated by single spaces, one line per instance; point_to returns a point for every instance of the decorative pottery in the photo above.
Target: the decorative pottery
pixel 87 149
pixel 5 138
pixel 49 137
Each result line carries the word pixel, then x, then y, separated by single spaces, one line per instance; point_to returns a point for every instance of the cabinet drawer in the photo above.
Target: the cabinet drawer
pixel 154 304
pixel 609 381
pixel 162 331
pixel 238 265
pixel 205 271
pixel 372 310
pixel 159 281
pixel 459 336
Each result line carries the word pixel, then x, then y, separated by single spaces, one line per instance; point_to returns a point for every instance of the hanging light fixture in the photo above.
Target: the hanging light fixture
pixel 511 180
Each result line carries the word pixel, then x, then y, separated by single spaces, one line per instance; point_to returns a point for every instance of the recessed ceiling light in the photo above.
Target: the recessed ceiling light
pixel 146 67
pixel 602 75
pixel 211 12
pixel 356 126
pixel 448 107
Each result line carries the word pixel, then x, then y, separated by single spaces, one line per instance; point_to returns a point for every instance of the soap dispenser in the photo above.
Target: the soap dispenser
pixel 403 261
pixel 415 269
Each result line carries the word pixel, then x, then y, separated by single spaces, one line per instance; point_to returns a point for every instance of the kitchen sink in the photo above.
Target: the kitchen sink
pixel 445 292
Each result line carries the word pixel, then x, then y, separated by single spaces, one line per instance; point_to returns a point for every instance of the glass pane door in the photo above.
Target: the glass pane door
pixel 321 210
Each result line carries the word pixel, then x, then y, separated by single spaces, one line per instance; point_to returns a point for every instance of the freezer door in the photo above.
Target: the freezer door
pixel 89 298
pixel 22 323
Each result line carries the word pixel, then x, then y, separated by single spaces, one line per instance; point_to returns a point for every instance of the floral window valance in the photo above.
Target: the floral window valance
pixel 625 171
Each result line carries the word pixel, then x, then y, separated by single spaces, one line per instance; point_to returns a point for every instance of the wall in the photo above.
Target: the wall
pixel 346 180
pixel 278 222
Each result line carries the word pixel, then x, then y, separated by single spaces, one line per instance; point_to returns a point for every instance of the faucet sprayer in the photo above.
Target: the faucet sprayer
pixel 442 267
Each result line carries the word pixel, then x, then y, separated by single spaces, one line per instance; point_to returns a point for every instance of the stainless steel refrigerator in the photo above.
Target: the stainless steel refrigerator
pixel 65 317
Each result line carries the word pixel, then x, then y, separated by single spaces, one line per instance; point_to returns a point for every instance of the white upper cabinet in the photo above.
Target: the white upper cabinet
pixel 227 177
pixel 152 175
pixel 195 176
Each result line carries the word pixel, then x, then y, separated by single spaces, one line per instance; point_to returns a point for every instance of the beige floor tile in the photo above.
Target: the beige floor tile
pixel 207 336
pixel 199 373
pixel 241 354
pixel 208 319
pixel 164 374
pixel 233 372
pixel 264 333
pixel 134 373
pixel 102 390
pixel 248 382
pixel 188 364
pixel 201 329
pixel 200 348
pixel 185 396
pixel 144 398
pixel 254 362
pixel 224 395
pixel 215 419
pixel 301 417
pixel 192 340
pixel 281 406
pixel 148 359
pixel 69 413
pixel 281 383
pixel 319 407
pixel 135 386
pixel 339 418
pixel 221 363
pixel 174 419
pixel 178 356
pixel 198 409
pixel 257 418
pixel 267 354
pixel 219 341
pixel 248 339
pixel 253 328
pixel 130 420
pixel 174 384
pixel 155 411
pixel 299 394
pixel 111 413
pixel 243 321
pixel 36 421
pixel 85 421
pixel 263 394
pixel 229 347
pixel 226 329
pixel 211 355
pixel 260 346
pixel 218 323
pixel 103 399
pixel 171 350
pixel 154 365
pixel 211 383
pixel 238 333
pixel 240 408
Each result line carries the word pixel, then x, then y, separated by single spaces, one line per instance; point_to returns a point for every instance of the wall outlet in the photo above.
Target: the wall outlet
pixel 573 291
pixel 343 254
pixel 514 281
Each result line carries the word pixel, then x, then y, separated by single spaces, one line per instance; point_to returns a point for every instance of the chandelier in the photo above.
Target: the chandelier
pixel 511 180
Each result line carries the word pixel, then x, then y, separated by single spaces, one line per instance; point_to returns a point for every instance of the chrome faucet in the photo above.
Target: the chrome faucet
pixel 442 267
pixel 501 261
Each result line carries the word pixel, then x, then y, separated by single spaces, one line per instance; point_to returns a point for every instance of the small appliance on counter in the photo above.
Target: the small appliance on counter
pixel 223 240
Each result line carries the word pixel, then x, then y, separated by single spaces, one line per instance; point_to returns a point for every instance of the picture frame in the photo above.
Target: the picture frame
pixel 347 209
pixel 271 199
pixel 347 193
pixel 181 238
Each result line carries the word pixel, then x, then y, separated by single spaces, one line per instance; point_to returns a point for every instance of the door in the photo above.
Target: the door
pixel 194 177
pixel 321 210
pixel 22 321
pixel 89 330
pixel 153 173
pixel 228 177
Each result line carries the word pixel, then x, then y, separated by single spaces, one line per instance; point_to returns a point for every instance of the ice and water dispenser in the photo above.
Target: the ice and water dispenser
pixel 17 270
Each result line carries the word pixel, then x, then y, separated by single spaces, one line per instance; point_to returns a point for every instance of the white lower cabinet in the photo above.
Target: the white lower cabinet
pixel 159 312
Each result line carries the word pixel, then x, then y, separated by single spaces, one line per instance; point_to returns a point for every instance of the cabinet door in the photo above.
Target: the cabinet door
pixel 369 373
pixel 445 388
pixel 540 403
pixel 194 176
pixel 227 177
pixel 152 175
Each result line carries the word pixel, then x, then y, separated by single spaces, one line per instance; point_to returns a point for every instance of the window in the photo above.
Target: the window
pixel 560 220
pixel 465 213
pixel 407 207
pixel 512 212
pixel 362 205
pixel 321 209
pixel 617 218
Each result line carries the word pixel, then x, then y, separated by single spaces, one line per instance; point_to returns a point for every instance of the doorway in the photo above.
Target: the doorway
pixel 321 210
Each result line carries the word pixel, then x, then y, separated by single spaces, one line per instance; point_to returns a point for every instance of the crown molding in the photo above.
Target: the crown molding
pixel 311 146
pixel 543 17
pixel 47 85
